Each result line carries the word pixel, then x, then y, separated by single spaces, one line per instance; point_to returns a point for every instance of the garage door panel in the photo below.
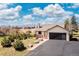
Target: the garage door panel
pixel 58 36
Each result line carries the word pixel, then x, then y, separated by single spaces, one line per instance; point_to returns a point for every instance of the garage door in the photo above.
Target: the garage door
pixel 57 36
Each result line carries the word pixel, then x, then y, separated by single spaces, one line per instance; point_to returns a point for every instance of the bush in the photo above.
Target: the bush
pixel 18 45
pixel 11 38
pixel 6 42
pixel 32 34
pixel 28 34
pixel 24 36
pixel 20 36
pixel 74 39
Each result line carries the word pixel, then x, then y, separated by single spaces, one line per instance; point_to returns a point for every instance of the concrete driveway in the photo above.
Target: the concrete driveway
pixel 57 48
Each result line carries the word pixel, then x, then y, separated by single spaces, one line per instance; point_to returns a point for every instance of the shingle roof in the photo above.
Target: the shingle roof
pixel 47 26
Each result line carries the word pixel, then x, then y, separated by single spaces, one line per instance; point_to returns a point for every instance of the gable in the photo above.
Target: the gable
pixel 47 28
pixel 57 29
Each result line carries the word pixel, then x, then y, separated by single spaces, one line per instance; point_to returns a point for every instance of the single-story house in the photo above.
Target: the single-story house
pixel 53 32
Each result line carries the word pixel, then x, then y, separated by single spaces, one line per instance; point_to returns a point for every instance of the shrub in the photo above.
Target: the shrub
pixel 6 42
pixel 24 36
pixel 19 36
pixel 32 34
pixel 11 38
pixel 28 34
pixel 18 45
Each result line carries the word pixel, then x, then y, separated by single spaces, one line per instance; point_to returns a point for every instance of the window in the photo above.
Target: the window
pixel 39 32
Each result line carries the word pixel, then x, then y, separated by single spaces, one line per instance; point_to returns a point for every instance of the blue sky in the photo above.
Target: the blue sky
pixel 33 13
pixel 27 6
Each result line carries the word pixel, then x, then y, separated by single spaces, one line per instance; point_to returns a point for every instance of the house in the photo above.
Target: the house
pixel 53 32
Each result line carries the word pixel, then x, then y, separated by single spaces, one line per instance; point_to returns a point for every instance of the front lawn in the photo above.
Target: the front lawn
pixel 10 51
pixel 1 38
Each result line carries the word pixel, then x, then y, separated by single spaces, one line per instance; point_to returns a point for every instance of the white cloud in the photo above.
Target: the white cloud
pixel 76 5
pixel 51 8
pixel 3 6
pixel 77 15
pixel 27 17
pixel 37 11
pixel 52 13
pixel 10 14
pixel 55 10
pixel 48 20
pixel 69 12
pixel 18 8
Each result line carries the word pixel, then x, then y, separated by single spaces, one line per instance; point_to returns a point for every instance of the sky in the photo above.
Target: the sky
pixel 22 14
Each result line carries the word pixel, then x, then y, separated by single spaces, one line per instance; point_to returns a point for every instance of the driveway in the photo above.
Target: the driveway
pixel 57 48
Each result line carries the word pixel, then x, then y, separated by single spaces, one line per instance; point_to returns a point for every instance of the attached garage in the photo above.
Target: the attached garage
pixel 57 36
pixel 58 33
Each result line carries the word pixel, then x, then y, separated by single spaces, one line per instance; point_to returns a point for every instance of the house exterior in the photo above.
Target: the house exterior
pixel 53 32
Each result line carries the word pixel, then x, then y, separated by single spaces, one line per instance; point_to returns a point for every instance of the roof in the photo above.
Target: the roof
pixel 49 26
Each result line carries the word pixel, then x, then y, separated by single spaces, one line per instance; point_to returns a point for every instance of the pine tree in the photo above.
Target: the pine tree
pixel 74 23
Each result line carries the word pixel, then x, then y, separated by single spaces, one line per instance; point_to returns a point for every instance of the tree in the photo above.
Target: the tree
pixel 74 23
pixel 66 24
